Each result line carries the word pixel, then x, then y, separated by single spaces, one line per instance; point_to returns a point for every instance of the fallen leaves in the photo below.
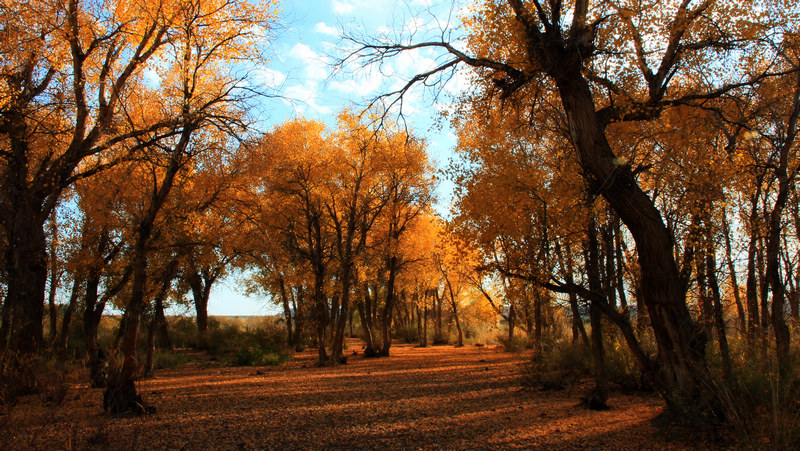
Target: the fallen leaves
pixel 439 397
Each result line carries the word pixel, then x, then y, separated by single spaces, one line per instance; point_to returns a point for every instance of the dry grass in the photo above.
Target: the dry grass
pixel 439 397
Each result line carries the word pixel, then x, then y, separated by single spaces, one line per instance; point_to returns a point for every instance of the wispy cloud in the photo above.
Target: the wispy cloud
pixel 322 27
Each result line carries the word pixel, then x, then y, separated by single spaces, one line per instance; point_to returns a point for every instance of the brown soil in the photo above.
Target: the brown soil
pixel 439 397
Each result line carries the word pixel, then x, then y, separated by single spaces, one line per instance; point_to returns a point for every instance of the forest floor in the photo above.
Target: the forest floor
pixel 436 397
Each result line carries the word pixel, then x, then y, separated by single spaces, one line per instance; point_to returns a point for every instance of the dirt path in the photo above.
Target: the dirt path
pixel 440 397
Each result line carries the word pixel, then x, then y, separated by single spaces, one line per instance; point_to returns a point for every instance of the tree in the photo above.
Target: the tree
pixel 210 106
pixel 520 49
pixel 68 72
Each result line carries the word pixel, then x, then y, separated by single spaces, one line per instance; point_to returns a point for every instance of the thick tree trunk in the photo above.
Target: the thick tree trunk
pixel 201 291
pixel 92 314
pixel 454 305
pixel 321 304
pixel 26 275
pixel 162 338
pixel 538 323
pixel 681 346
pixel 775 227
pixel 419 324
pixel 511 322
pixel 120 395
pixel 438 331
pixel 147 370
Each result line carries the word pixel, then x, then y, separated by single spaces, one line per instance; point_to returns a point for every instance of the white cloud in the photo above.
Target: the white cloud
pixel 270 78
pixel 316 65
pixel 343 6
pixel 305 97
pixel 322 27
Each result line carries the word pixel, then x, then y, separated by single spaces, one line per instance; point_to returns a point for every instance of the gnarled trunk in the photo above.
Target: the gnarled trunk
pixel 681 345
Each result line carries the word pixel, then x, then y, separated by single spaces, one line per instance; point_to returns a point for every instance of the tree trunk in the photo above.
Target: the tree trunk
pixel 365 309
pixel 775 226
pixel 454 305
pixel 51 306
pixel 92 314
pixel 424 337
pixel 120 395
pixel 719 319
pixel 438 330
pixel 511 323
pixel 751 293
pixel 26 275
pixel 597 398
pixel 299 310
pixel 147 370
pixel 681 346
pixel 66 323
pixel 287 312
pixel 538 323
pixel 201 291
pixel 419 325
pixel 162 338
pixel 726 233
pixel 388 308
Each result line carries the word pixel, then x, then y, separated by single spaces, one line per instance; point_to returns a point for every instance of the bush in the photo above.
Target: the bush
pixel 170 359
pixel 560 368
pixel 27 375
pixel 622 368
pixel 183 331
pixel 758 408
pixel 257 355
pixel 408 333
pixel 516 344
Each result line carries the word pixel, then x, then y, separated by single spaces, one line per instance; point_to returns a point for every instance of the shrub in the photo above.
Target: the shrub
pixel 515 344
pixel 183 331
pixel 561 367
pixel 408 333
pixel 758 407
pixel 27 375
pixel 258 355
pixel 621 367
pixel 170 359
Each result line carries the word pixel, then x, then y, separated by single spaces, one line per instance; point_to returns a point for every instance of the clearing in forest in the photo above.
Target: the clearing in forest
pixel 437 397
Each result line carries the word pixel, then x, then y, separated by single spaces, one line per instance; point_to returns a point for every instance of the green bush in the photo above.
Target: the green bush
pixel 257 355
pixel 408 333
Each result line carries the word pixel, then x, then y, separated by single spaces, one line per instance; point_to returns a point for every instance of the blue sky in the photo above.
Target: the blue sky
pixel 307 42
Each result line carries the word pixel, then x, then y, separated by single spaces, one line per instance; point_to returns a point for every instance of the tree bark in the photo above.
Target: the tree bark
pixel 287 312
pixel 681 346
pixel 726 233
pixel 598 397
pixel 66 323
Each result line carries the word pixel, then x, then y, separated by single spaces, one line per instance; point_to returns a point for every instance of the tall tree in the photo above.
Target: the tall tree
pixel 520 49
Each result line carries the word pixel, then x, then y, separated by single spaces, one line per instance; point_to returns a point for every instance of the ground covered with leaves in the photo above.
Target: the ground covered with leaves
pixel 437 397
